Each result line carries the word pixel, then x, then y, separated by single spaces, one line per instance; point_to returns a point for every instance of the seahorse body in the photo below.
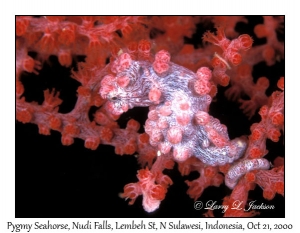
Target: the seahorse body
pixel 179 99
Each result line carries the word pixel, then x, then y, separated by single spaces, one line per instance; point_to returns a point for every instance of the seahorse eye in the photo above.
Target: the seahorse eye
pixel 141 71
pixel 114 98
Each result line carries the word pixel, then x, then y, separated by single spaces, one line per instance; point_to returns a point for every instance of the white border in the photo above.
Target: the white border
pixel 7 95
